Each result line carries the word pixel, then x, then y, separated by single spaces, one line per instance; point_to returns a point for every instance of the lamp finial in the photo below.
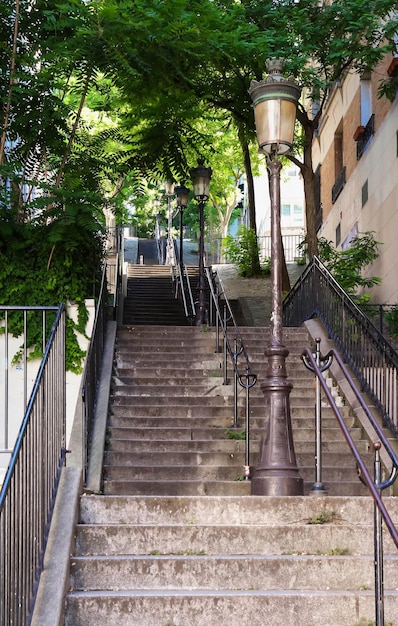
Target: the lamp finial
pixel 275 65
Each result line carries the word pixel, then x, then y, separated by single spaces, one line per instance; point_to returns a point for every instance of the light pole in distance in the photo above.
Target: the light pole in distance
pixel 182 195
pixel 201 176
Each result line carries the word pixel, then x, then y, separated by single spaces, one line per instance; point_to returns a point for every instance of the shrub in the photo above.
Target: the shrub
pixel 243 252
pixel 346 266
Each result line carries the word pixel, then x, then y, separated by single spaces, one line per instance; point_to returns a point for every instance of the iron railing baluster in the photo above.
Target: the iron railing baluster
pixel 249 379
pixel 370 355
pixel 30 484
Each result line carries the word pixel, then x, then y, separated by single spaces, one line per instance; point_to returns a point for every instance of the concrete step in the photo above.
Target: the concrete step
pixel 178 487
pixel 196 539
pixel 175 374
pixel 204 572
pixel 220 418
pixel 304 425
pixel 126 471
pixel 223 608
pixel 186 440
pixel 253 510
pixel 222 400
pixel 181 376
pixel 222 423
pixel 227 560
pixel 139 340
pixel 198 347
pixel 191 460
pixel 301 412
pixel 152 360
pixel 124 389
pixel 216 488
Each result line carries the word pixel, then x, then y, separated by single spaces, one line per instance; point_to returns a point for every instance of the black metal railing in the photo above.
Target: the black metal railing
pixel 372 358
pixel 338 185
pixel 93 363
pixel 234 348
pixel 30 485
pixel 365 137
pixel 375 485
pixel 384 317
pixel 182 284
pixel 291 247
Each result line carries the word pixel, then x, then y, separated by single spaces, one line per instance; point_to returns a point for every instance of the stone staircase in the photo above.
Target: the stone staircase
pixel 151 297
pixel 226 561
pixel 176 539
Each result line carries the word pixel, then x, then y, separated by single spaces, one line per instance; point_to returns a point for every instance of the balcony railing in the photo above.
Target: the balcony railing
pixel 338 185
pixel 365 136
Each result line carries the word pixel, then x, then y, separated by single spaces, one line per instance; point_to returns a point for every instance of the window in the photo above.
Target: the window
pixel 339 169
pixel 366 99
pixel 298 213
pixel 365 130
pixel 365 193
pixel 318 203
pixel 338 154
pixel 338 235
pixel 366 136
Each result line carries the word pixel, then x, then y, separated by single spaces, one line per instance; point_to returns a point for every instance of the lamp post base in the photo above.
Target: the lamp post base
pixel 277 485
pixel 276 473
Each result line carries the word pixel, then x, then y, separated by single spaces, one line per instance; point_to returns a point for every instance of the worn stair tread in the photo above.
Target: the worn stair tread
pixel 229 510
pixel 225 608
pixel 183 441
pixel 215 487
pixel 232 592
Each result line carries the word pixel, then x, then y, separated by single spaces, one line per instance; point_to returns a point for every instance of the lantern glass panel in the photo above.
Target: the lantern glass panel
pixel 275 120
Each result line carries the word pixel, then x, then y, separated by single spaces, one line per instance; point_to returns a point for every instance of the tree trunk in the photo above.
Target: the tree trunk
pixel 250 195
pixel 11 83
pixel 307 171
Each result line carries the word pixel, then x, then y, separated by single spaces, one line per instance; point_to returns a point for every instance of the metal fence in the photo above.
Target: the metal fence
pixel 291 245
pixel 95 353
pixel 30 485
pixel 372 358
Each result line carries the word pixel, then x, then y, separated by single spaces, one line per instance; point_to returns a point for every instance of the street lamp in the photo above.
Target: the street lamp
pixel 275 104
pixel 182 194
pixel 201 176
pixel 169 187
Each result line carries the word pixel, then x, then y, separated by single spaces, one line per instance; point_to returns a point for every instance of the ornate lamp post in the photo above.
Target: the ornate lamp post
pixel 201 176
pixel 182 194
pixel 169 186
pixel 275 104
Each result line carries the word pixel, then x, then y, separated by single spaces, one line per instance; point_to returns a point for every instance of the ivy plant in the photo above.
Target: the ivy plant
pixel 37 269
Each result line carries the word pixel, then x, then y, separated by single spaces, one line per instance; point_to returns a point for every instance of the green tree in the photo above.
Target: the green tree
pixel 347 266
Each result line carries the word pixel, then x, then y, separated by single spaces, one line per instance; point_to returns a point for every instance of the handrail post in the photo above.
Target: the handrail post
pixel 378 543
pixel 318 488
pixel 218 349
pixel 235 357
pixel 247 440
pixel 225 350
pixel 323 363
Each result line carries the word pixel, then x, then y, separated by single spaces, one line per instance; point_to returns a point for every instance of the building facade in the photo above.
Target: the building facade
pixel 355 155
pixel 292 211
